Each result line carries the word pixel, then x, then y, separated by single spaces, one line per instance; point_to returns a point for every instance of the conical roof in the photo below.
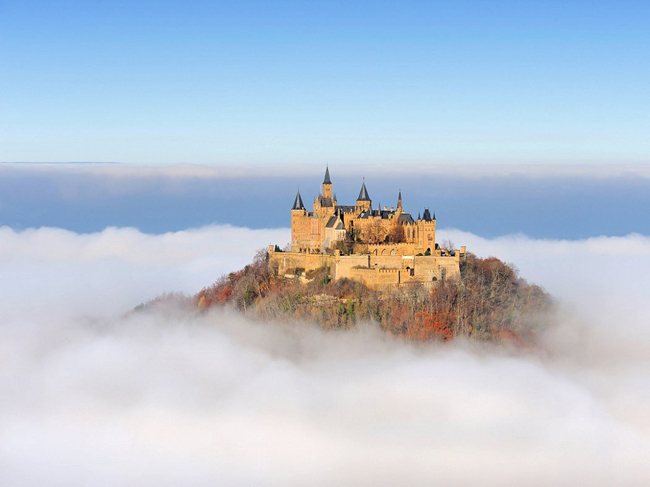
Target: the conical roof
pixel 327 179
pixel 297 204
pixel 363 194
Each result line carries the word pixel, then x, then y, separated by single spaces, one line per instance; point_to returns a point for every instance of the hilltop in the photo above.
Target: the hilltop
pixel 488 301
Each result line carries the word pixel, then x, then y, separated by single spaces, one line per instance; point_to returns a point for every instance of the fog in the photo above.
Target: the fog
pixel 94 396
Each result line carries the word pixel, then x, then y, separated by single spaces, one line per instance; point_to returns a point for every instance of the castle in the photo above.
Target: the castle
pixel 379 247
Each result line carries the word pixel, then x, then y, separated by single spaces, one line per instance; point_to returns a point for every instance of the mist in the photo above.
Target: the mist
pixel 93 395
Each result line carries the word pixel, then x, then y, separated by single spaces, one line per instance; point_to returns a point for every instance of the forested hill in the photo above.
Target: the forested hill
pixel 490 302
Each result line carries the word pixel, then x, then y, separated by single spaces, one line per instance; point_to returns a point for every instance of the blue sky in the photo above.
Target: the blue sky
pixel 316 82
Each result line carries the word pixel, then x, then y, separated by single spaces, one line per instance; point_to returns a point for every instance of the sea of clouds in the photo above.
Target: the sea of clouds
pixel 91 395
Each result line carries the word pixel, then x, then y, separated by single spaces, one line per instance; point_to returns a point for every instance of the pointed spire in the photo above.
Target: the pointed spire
pixel 297 204
pixel 363 194
pixel 327 179
pixel 419 216
pixel 399 199
pixel 434 215
pixel 427 215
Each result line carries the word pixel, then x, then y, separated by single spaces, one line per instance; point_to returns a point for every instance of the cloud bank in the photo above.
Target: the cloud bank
pixel 92 397
pixel 108 272
pixel 259 170
pixel 541 201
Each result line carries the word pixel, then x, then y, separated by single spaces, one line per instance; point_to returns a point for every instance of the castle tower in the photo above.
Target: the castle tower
pixel 427 231
pixel 399 200
pixel 327 184
pixel 364 202
pixel 299 221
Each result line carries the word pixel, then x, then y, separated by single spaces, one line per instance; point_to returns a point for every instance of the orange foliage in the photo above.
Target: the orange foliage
pixel 431 326
pixel 224 295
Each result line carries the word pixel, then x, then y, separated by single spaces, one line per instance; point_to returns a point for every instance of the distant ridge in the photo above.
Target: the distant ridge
pixel 60 162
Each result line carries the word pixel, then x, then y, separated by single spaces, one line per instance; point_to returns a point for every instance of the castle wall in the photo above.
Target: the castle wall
pixel 377 272
pixel 386 261
pixel 376 278
pixel 332 235
pixel 287 262
pixel 426 268
pixel 345 263
pixel 388 249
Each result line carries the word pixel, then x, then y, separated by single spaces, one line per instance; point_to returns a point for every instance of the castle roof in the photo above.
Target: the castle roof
pixel 335 223
pixel 346 208
pixel 427 215
pixel 363 194
pixel 405 218
pixel 327 179
pixel 325 202
pixel 297 204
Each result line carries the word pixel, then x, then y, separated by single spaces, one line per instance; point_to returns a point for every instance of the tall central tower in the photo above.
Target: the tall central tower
pixel 327 184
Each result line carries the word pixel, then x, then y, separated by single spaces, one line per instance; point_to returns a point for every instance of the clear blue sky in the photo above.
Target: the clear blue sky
pixel 325 81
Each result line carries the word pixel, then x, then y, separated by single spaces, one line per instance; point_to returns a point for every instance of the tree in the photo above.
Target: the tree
pixel 396 234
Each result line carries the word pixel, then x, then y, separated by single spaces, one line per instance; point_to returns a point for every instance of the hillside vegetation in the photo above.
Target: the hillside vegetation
pixel 490 302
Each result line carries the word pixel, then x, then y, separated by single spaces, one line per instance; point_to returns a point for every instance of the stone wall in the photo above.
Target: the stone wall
pixel 376 278
pixel 375 271
pixel 345 263
pixel 287 262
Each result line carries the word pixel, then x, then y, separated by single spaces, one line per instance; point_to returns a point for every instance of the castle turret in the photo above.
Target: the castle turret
pixel 399 200
pixel 297 204
pixel 327 184
pixel 427 231
pixel 363 201
pixel 299 225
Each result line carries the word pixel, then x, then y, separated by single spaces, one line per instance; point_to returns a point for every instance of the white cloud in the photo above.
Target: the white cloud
pixel 155 399
pixel 259 170
pixel 113 270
